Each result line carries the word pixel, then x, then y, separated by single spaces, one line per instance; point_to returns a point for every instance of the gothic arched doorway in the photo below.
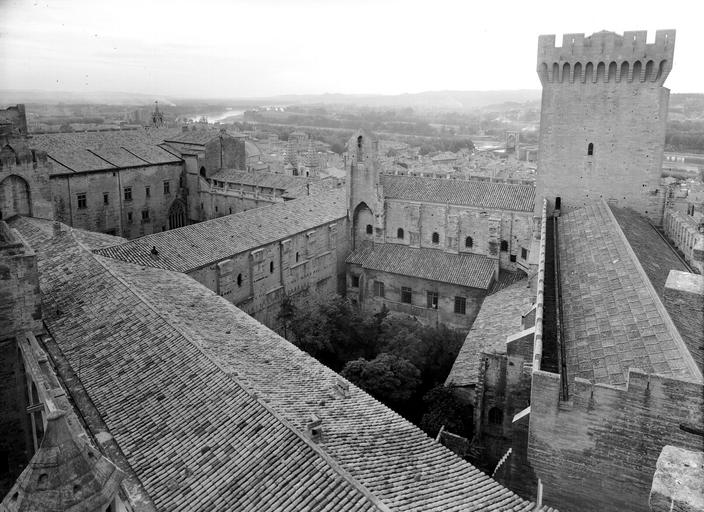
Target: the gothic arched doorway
pixel 177 215
pixel 362 224
pixel 15 198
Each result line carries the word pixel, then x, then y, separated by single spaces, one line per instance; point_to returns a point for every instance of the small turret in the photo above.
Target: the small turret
pixel 64 474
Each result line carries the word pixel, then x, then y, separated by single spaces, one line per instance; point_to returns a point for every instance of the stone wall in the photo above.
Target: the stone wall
pixel 462 230
pixel 445 312
pixel 683 297
pixel 24 182
pixel 309 265
pixel 598 452
pixel 683 231
pixel 107 207
pixel 603 118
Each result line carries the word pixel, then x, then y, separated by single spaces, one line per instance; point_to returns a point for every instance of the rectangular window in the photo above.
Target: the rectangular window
pixel 106 198
pixel 355 281
pixel 406 295
pixel 82 202
pixel 128 193
pixel 460 305
pixel 129 217
pixel 145 215
pixel 433 300
pixel 379 289
pixel 524 253
pixel 512 258
pixel 167 187
pixel 148 191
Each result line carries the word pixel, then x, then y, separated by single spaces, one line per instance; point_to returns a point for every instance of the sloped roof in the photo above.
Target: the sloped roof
pixel 613 317
pixel 175 371
pixel 91 151
pixel 482 194
pixel 654 254
pixel 191 247
pixel 44 228
pixel 499 317
pixel 262 179
pixel 194 435
pixel 463 269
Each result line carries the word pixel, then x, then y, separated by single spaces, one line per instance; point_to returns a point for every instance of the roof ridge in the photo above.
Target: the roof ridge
pixel 334 465
pixel 676 337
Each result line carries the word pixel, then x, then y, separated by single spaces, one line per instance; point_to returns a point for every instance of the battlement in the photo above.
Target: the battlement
pixel 606 57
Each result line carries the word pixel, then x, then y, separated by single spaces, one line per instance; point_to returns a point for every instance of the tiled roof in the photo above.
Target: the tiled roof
pixel 262 179
pixel 45 228
pixel 655 255
pixel 175 369
pixel 194 435
pixel 498 318
pixel 462 269
pixel 90 151
pixel 482 194
pixel 191 247
pixel 613 318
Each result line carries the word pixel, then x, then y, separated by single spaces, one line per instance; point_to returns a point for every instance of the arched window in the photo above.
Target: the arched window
pixel 589 73
pixel 612 73
pixel 271 267
pixel 239 279
pixel 577 75
pixel 566 72
pixel 590 149
pixel 544 71
pixel 555 72
pixel 436 238
pixel 370 229
pixel 650 71
pixel 468 242
pixel 600 72
pixel 637 68
pixel 496 416
pixel 399 234
pixel 661 68
pixel 504 245
pixel 202 171
pixel 624 71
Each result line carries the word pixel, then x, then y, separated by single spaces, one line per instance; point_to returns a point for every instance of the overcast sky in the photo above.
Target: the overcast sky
pixel 219 48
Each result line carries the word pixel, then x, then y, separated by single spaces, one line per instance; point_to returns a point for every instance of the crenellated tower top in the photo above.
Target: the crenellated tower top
pixel 606 57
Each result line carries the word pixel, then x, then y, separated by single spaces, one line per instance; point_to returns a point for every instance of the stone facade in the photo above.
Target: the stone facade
pixel 603 118
pixel 684 299
pixel 687 234
pixel 24 181
pixel 598 452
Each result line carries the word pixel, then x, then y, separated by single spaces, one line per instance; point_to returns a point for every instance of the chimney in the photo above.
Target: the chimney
pixel 314 428
pixel 684 300
pixel 56 225
pixel 154 253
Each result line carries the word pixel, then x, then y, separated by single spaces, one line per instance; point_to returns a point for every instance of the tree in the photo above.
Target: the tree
pixel 389 378
pixel 443 408
pixel 286 314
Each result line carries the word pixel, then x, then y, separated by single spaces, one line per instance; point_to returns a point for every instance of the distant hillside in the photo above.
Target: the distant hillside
pixel 450 100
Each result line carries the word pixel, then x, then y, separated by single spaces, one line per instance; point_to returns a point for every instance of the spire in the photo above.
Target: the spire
pixel 65 473
pixel 157 116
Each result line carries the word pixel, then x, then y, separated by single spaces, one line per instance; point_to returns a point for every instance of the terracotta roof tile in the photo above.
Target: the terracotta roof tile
pixel 499 317
pixel 174 369
pixel 610 307
pixel 196 245
pixel 463 269
pixel 482 194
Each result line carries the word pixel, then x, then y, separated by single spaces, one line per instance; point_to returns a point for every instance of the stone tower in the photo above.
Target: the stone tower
pixel 602 121
pixel 365 197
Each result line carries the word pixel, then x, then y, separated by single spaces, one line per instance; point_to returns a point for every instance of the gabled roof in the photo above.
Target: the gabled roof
pixel 499 317
pixel 209 406
pixel 472 270
pixel 93 151
pixel 194 246
pixel 481 194
pixel 654 254
pixel 613 317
